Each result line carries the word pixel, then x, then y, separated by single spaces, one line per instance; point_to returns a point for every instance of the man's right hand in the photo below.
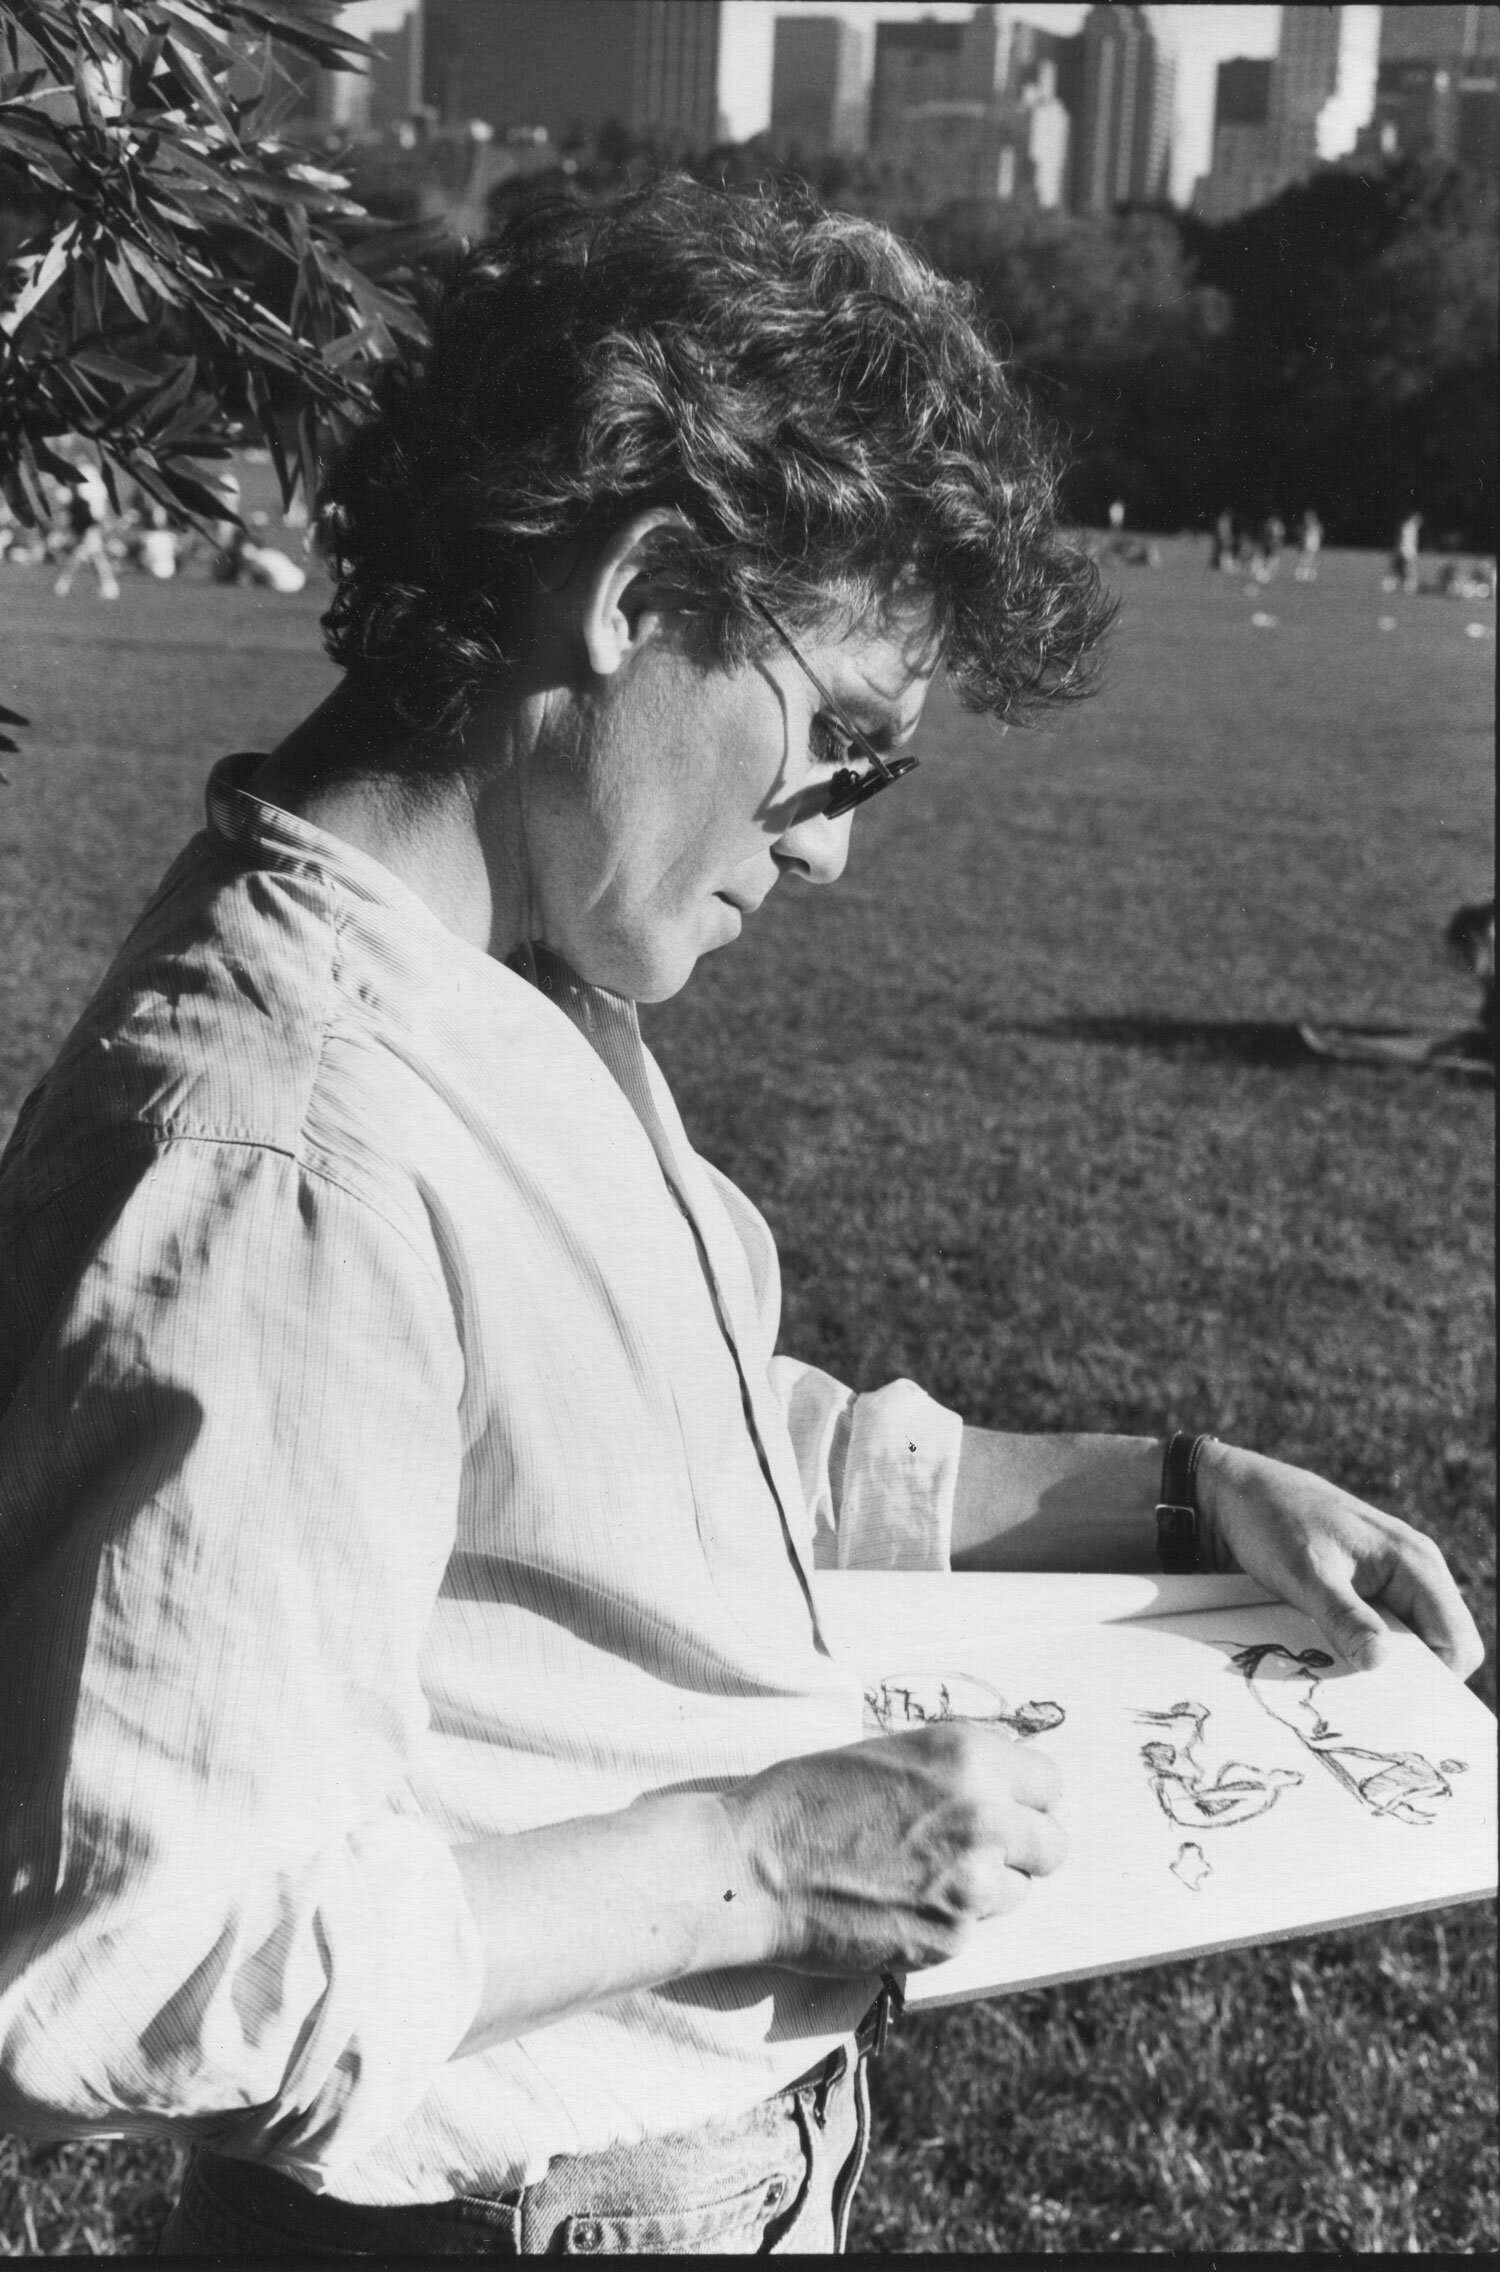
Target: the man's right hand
pixel 887 1852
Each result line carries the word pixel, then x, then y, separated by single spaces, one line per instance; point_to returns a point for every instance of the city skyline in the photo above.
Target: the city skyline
pixel 1200 37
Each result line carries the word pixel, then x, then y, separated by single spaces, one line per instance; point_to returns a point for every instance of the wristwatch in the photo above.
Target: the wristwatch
pixel 1177 1510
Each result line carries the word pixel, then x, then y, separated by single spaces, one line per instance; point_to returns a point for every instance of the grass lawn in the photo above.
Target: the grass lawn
pixel 1024 1103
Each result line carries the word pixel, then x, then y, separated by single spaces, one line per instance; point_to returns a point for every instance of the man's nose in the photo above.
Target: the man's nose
pixel 816 848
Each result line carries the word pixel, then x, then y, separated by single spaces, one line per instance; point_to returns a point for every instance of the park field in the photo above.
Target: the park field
pixel 1025 1103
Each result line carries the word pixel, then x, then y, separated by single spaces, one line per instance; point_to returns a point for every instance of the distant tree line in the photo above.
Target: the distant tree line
pixel 1335 349
pixel 178 274
pixel 1358 371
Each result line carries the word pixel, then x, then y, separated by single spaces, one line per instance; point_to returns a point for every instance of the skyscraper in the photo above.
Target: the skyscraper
pixel 938 103
pixel 573 66
pixel 819 86
pixel 1319 90
pixel 362 102
pixel 1121 146
pixel 1438 94
pixel 1427 35
pixel 915 63
pixel 1322 83
pixel 977 105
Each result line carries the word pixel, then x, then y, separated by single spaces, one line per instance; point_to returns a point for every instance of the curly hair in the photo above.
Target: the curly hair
pixel 814 402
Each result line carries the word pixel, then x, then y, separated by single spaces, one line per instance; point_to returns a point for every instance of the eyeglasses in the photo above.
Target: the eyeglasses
pixel 847 788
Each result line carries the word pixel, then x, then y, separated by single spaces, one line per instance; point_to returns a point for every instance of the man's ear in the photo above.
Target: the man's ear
pixel 615 620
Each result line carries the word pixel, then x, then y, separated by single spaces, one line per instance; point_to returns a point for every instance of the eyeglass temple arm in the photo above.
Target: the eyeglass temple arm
pixel 859 741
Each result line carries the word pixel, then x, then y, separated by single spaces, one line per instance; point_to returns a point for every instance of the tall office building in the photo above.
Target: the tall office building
pixel 915 63
pixel 1323 83
pixel 1318 91
pixel 1424 34
pixel 365 102
pixel 573 66
pixel 1241 175
pixel 1438 93
pixel 977 105
pixel 820 93
pixel 1122 143
pixel 1243 93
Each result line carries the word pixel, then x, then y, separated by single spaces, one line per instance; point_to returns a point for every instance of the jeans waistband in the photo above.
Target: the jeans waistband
pixel 779 2178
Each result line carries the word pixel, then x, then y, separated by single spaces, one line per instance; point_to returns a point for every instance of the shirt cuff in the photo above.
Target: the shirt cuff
pixel 895 1511
pixel 404 1987
pixel 819 1411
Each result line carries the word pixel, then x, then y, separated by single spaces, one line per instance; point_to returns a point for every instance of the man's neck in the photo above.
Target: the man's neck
pixel 342 771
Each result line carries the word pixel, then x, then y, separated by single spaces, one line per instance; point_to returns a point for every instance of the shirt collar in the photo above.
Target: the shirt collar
pixel 237 816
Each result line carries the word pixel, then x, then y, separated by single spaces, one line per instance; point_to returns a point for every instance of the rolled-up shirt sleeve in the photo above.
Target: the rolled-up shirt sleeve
pixel 878 1470
pixel 229 1479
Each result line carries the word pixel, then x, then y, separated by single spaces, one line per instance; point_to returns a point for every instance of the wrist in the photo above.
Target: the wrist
pixel 743 1917
pixel 1190 1531
pixel 1212 1481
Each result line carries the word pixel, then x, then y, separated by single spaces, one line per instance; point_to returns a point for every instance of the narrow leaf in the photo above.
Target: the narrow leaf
pixel 172 396
pixel 105 365
pixel 124 284
pixel 45 270
pixel 195 495
pixel 164 286
pixel 187 65
pixel 143 70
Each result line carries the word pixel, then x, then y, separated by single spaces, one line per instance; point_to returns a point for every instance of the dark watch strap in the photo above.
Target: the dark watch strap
pixel 1178 1548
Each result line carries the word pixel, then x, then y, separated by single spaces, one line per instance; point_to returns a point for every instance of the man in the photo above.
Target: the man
pixel 428 1789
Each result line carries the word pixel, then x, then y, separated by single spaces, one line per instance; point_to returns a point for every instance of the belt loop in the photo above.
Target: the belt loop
pixel 835 2067
pixel 888 2005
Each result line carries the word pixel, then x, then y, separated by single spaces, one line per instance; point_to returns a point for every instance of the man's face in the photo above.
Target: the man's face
pixel 689 791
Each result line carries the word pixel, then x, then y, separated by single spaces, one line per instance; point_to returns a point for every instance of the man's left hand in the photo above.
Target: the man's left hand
pixel 1332 1557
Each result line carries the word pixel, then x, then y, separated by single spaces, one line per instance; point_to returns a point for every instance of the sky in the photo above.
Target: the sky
pixel 1201 35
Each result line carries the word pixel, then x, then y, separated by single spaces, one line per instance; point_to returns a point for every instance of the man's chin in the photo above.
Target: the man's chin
pixel 668 971
pixel 657 977
pixel 660 984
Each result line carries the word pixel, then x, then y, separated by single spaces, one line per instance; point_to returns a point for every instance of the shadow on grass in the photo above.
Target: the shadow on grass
pixel 1264 1041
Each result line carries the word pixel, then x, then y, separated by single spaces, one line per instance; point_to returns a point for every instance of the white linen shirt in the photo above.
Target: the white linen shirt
pixel 392 1453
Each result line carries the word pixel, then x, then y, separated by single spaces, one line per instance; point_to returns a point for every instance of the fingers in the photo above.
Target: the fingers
pixel 1425 1593
pixel 1033 1843
pixel 1454 1636
pixel 1006 1892
pixel 1017 1792
pixel 1331 1555
pixel 891 1850
pixel 1357 1631
pixel 1342 1616
pixel 1031 1778
pixel 1426 1597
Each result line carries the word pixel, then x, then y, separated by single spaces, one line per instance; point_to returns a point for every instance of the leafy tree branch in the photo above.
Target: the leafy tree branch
pixel 180 276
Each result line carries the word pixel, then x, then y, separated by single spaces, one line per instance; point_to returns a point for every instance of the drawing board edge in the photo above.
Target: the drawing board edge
pixel 919 2000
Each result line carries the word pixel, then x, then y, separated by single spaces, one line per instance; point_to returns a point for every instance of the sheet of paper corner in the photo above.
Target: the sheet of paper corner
pixel 1315 1860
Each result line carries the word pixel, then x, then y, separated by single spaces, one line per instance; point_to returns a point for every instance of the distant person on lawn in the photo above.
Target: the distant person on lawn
pixel 427 1792
pixel 1405 570
pixel 1309 545
pixel 1269 539
pixel 86 517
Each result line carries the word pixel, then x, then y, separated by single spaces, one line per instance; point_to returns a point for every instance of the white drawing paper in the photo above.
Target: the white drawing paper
pixel 1227 1779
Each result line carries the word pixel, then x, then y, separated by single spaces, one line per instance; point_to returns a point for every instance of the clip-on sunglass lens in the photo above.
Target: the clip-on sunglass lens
pixel 848 789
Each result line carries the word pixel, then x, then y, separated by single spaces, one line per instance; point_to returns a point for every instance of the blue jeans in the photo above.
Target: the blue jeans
pixel 778 2180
